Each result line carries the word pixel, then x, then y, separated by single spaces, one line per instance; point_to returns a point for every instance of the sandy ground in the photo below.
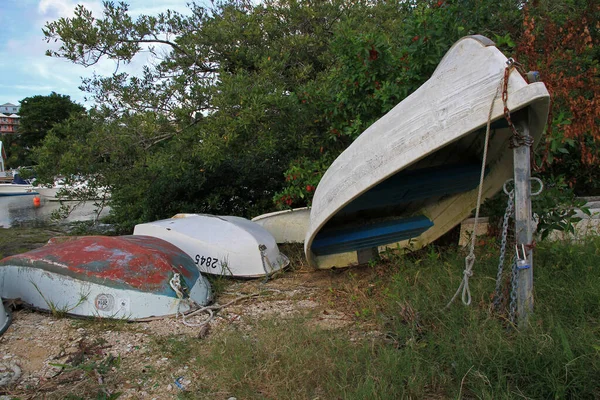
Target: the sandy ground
pixel 37 346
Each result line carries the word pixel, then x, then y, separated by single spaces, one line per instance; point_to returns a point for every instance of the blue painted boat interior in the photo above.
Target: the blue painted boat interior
pixel 408 186
pixel 377 234
pixel 399 191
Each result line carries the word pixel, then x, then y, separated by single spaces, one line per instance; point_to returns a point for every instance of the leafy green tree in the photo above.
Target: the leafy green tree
pixel 38 114
pixel 246 103
pixel 381 53
pixel 211 127
pixel 16 154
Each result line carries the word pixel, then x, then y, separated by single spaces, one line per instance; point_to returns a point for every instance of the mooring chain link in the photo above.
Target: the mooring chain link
pixel 514 283
pixel 498 297
pixel 512 310
pixel 517 139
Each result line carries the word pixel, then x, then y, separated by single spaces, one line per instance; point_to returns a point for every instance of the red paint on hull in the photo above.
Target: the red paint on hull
pixel 138 262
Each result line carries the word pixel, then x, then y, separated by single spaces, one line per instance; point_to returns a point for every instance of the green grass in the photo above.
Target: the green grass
pixel 21 239
pixel 418 349
pixel 401 342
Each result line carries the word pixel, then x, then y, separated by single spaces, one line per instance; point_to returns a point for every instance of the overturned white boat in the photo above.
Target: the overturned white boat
pixel 413 175
pixel 287 226
pixel 125 277
pixel 220 245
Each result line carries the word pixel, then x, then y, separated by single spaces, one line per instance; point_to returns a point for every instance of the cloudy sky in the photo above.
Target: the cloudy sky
pixel 25 70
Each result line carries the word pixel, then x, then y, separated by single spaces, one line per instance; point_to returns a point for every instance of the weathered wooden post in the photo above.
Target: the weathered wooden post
pixel 523 225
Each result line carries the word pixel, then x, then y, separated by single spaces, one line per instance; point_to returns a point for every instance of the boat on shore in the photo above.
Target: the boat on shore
pixel 220 245
pixel 413 175
pixel 11 184
pixel 124 277
pixel 15 186
pixel 287 226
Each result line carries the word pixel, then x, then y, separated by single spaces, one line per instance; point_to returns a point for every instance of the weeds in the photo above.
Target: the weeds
pixel 57 310
pixel 415 348
pixel 83 375
pixel 21 239
pixel 402 342
pixel 100 324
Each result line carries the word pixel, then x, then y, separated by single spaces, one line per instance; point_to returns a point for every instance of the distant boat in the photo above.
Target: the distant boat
pixel 220 245
pixel 16 189
pixel 125 277
pixel 413 175
pixel 60 190
pixel 11 184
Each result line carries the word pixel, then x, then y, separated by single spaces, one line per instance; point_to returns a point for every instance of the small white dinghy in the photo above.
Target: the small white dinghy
pixel 220 245
pixel 287 226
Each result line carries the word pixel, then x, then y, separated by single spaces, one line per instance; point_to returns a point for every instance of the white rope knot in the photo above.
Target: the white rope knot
pixel 464 284
pixel 467 273
pixel 175 284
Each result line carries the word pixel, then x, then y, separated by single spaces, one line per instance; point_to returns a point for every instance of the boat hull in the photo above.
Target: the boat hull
pixel 437 135
pixel 125 277
pixel 287 226
pixel 4 318
pixel 14 189
pixel 220 245
pixel 48 192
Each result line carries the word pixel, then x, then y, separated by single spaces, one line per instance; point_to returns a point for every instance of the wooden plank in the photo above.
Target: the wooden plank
pixel 524 228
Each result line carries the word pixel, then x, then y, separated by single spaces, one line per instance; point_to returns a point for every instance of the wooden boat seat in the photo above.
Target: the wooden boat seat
pixel 412 185
pixel 372 235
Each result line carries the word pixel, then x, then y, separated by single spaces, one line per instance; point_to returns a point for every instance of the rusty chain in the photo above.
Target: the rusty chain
pixel 517 139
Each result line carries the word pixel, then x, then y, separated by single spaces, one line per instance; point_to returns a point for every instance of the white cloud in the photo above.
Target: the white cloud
pixel 65 8
pixel 34 73
pixel 62 8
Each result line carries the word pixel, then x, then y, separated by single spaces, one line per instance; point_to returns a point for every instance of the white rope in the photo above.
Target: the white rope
pixel 210 310
pixel 470 259
pixel 175 284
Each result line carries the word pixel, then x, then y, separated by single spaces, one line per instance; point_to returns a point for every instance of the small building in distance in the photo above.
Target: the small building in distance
pixel 9 108
pixel 9 120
